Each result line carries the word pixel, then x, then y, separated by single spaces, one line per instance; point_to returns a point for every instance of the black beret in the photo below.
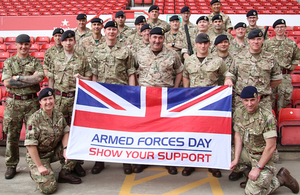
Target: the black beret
pixel 217 17
pixel 202 18
pixel 111 24
pixel 97 20
pixel 23 38
pixel 202 38
pixel 215 1
pixel 240 24
pixel 146 26
pixel 67 34
pixel 255 33
pixel 252 13
pixel 58 31
pixel 220 38
pixel 119 13
pixel 46 92
pixel 185 9
pixel 279 21
pixel 81 16
pixel 157 31
pixel 153 7
pixel 249 92
pixel 140 19
pixel 175 17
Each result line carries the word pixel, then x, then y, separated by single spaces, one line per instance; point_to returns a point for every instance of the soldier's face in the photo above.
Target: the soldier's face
pixel 154 14
pixel 202 48
pixel 111 33
pixel 120 20
pixel 240 32
pixel 156 42
pixel 96 27
pixel 203 25
pixel 23 48
pixel 47 103
pixel 146 35
pixel 139 26
pixel 175 24
pixel 251 104
pixel 57 39
pixel 223 46
pixel 217 24
pixel 280 29
pixel 252 20
pixel 216 7
pixel 186 16
pixel 255 44
pixel 69 44
pixel 81 23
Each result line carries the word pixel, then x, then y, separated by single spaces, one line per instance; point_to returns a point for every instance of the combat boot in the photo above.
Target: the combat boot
pixel 10 172
pixel 98 167
pixel 287 180
pixel 66 177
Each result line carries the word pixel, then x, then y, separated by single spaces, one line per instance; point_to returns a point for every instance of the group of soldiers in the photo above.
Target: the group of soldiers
pixel 155 54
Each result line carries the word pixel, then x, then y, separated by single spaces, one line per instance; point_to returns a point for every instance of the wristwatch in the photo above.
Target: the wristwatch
pixel 17 77
pixel 173 44
pixel 259 167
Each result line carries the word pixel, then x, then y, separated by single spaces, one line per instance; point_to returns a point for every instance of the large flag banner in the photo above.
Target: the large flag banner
pixel 151 125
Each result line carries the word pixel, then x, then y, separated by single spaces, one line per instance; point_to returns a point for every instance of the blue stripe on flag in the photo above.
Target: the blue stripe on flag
pixel 85 99
pixel 221 105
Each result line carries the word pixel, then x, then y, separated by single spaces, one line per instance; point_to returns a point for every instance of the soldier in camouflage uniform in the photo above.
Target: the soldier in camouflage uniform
pixel 252 18
pixel 21 76
pixel 255 147
pixel 137 37
pixel 216 8
pixel 255 67
pixel 113 63
pixel 68 66
pixel 89 44
pixel 174 38
pixel 154 21
pixel 124 31
pixel 82 31
pixel 287 55
pixel 46 142
pixel 145 32
pixel 185 13
pixel 239 43
pixel 52 52
pixel 217 22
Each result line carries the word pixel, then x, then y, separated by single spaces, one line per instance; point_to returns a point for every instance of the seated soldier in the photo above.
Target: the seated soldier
pixel 46 142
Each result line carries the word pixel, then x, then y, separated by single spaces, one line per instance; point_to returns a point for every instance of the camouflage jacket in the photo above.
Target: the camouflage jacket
pixel 213 35
pixel 178 40
pixel 133 39
pixel 285 51
pixel 50 54
pixel 160 23
pixel 45 132
pixel 255 128
pixel 113 65
pixel 64 70
pixel 89 44
pixel 138 45
pixel 125 33
pixel 228 61
pixel 204 74
pixel 192 28
pixel 79 37
pixel 235 48
pixel 227 22
pixel 257 27
pixel 14 66
pixel 255 71
pixel 157 70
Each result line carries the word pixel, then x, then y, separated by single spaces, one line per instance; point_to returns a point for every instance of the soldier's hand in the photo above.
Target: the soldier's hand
pixel 228 82
pixel 36 72
pixel 254 173
pixel 77 76
pixel 43 170
pixel 233 165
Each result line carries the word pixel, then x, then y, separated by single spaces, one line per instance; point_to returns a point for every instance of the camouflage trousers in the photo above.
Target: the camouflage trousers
pixel 47 183
pixel 284 92
pixel 14 113
pixel 267 182
pixel 65 105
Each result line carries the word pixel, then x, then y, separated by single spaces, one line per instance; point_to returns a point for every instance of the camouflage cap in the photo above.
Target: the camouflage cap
pixel 23 38
pixel 112 24
pixel 153 7
pixel 252 13
pixel 139 19
pixel 157 31
pixel 220 38
pixel 81 16
pixel 185 9
pixel 46 92
pixel 202 18
pixel 202 38
pixel 97 20
pixel 175 17
pixel 240 24
pixel 279 21
pixel 255 33
pixel 217 17
pixel 146 26
pixel 215 1
pixel 249 92
pixel 67 34
pixel 58 31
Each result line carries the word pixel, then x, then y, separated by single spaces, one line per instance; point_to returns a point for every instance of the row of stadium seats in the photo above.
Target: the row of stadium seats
pixel 38 40
pixel 5 55
pixel 34 47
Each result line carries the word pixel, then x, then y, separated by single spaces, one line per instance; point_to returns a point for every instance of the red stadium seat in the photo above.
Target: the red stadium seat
pixel 296 28
pixel 289 126
pixel 34 48
pixel 12 54
pixel 296 70
pixel 1 40
pixel 295 80
pixel 41 40
pixel 45 46
pixel 4 56
pixel 46 13
pixel 12 48
pixel 1 67
pixel 296 98
pixel 2 48
pixel 9 40
pixel 39 55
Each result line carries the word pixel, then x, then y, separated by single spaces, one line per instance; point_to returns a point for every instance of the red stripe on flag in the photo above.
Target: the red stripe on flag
pixel 100 96
pixel 207 124
pixel 191 103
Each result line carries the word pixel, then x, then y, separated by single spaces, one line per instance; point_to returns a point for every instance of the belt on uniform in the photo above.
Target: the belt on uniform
pixel 286 71
pixel 64 94
pixel 256 153
pixel 23 97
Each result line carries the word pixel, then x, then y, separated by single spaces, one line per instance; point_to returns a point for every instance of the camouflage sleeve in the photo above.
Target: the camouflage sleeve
pixel 130 63
pixel 168 27
pixel 266 45
pixel 39 67
pixel 32 132
pixel 235 117
pixel 270 127
pixel 296 54
pixel 47 61
pixel 93 64
pixel 223 68
pixel 185 72
pixel 178 66
pixel 7 72
pixel 87 67
pixel 276 71
pixel 66 126
pixel 232 71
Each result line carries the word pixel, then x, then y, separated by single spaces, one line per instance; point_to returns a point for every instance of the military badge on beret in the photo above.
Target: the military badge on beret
pixel 282 21
pixel 115 24
pixel 84 17
pixel 205 18
pixel 244 25
pixel 254 13
pixel 49 93
pixel 260 34
pixel 207 37
pixel 220 17
pixel 162 31
pixel 144 20
pixel 61 31
pixel 254 95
